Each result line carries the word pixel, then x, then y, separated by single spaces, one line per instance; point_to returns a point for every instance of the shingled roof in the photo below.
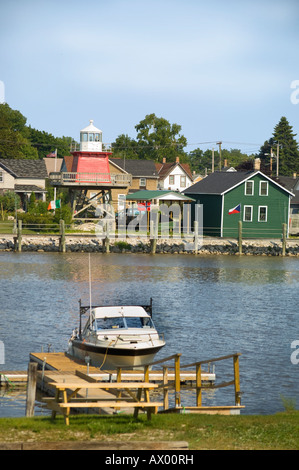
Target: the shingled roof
pixel 220 182
pixel 137 168
pixel 23 168
pixel 165 168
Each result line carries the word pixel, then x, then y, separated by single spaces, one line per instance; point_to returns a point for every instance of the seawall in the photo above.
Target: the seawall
pixel 207 246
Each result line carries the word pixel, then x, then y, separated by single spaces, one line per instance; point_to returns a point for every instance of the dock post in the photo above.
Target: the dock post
pixel 62 236
pixel 198 385
pixel 31 388
pixel 165 388
pixel 196 237
pixel 284 239
pixel 177 380
pixel 240 237
pixel 106 245
pixel 153 240
pixel 18 239
pixel 237 381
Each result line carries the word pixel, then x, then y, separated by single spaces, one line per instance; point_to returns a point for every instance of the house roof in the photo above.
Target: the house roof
pixel 165 168
pixel 137 168
pixel 28 188
pixel 221 182
pixel 147 195
pixel 23 168
pixel 287 182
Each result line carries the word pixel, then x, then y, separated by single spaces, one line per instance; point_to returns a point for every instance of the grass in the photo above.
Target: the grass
pixel 271 432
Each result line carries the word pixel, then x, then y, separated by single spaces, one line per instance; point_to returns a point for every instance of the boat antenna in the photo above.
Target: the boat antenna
pixel 89 289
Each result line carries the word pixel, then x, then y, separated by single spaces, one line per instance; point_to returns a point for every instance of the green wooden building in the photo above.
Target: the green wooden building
pixel 258 201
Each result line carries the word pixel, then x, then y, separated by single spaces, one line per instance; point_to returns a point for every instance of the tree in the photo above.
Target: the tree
pixel 14 142
pixel 288 147
pixel 124 146
pixel 45 143
pixel 284 140
pixel 157 138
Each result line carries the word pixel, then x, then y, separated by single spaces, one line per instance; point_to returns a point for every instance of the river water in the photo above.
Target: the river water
pixel 206 306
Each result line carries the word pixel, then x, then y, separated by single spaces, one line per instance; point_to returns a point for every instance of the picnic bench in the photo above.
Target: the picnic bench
pixel 66 397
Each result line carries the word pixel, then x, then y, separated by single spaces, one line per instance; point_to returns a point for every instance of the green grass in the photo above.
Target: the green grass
pixel 272 432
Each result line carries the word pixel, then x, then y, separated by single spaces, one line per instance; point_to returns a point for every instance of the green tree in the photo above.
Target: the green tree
pixel 125 146
pixel 14 135
pixel 45 143
pixel 284 137
pixel 200 160
pixel 157 138
pixel 10 201
pixel 284 141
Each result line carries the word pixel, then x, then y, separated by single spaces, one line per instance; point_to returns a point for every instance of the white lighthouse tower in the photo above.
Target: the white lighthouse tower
pixel 91 139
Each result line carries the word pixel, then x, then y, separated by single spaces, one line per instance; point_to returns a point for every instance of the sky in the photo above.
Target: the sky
pixel 222 70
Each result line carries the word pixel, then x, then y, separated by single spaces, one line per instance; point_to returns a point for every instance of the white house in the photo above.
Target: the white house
pixel 175 176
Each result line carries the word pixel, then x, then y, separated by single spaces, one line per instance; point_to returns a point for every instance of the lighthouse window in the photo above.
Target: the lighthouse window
pixel 97 137
pixel 91 137
pixel 84 137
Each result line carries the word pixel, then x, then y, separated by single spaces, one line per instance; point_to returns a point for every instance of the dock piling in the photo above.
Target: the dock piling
pixel 31 388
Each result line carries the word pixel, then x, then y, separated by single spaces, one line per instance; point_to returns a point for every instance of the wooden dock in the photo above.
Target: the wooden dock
pixel 73 382
pixel 63 362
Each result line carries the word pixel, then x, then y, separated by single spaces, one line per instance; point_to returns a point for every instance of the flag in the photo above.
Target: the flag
pixel 235 210
pixel 144 206
pixel 54 205
pixel 52 154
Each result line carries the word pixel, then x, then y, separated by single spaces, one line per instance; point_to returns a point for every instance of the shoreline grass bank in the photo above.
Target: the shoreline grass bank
pixel 202 432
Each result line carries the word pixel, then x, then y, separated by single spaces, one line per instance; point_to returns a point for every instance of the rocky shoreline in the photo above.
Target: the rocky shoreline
pixel 208 246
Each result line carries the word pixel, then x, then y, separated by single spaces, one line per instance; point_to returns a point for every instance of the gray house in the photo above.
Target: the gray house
pixel 23 177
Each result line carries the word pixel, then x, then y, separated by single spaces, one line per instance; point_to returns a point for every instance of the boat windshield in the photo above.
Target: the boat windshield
pixel 139 322
pixel 110 323
pixel 124 322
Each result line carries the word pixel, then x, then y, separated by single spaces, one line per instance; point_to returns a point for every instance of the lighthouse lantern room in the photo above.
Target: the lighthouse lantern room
pixel 91 139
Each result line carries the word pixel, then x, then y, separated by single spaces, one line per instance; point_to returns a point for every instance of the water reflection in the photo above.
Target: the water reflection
pixel 207 306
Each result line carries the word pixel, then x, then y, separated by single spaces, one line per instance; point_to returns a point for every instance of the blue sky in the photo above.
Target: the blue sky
pixel 220 69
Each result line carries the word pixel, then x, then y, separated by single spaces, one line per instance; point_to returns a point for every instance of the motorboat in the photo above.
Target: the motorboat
pixel 116 336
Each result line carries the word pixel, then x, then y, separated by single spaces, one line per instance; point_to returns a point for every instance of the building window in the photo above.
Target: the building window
pixel 171 179
pixel 1 176
pixel 247 216
pixel 263 214
pixel 183 181
pixel 263 188
pixel 249 186
pixel 142 182
pixel 84 137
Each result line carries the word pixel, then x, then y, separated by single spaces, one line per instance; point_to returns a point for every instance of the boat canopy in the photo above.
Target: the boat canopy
pixel 119 311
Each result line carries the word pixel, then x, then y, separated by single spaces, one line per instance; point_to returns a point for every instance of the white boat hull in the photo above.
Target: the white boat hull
pixel 109 358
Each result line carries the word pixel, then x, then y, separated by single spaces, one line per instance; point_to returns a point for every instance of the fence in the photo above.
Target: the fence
pixel 197 366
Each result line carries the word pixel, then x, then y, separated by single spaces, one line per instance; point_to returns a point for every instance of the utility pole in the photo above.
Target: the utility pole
pixel 277 160
pixel 219 143
pixel 213 160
